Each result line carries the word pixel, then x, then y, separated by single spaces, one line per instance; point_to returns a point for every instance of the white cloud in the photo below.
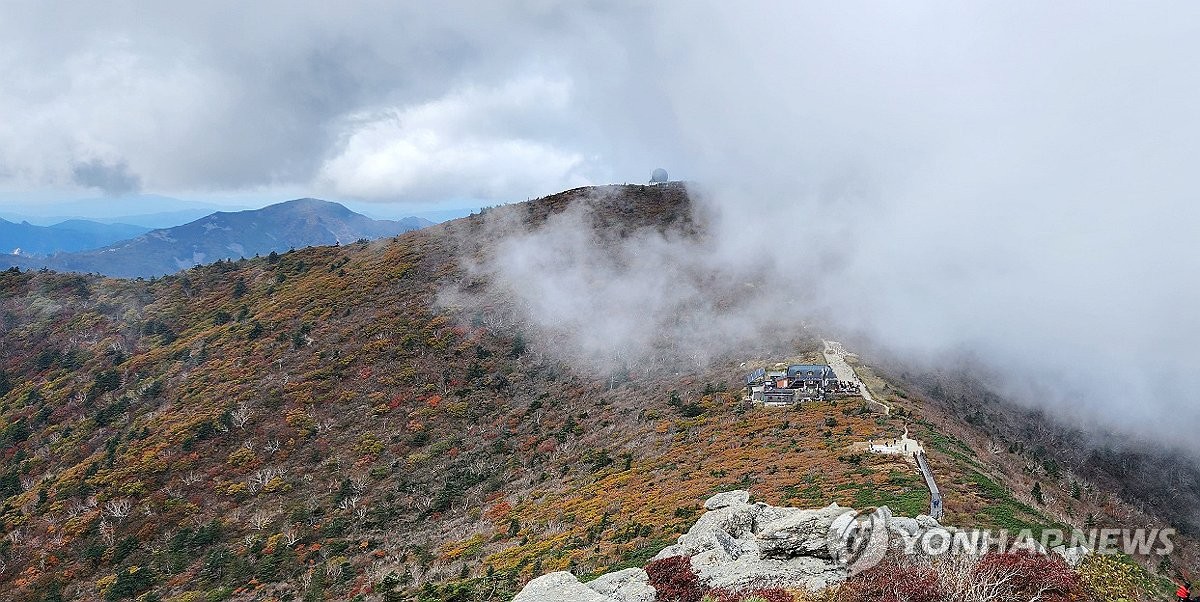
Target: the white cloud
pixel 479 143
pixel 1001 177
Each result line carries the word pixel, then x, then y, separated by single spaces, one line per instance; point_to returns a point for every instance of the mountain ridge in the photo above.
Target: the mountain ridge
pixel 225 235
pixel 65 236
pixel 321 424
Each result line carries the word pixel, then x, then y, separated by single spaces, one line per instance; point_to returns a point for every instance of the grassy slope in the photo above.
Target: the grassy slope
pixel 382 436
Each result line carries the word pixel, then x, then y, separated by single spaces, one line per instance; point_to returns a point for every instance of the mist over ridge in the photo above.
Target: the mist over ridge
pixel 1027 207
pixel 1010 181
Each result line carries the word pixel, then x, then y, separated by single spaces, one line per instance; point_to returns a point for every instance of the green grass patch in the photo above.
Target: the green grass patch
pixel 802 496
pixel 1005 512
pixel 635 558
pixel 909 502
pixel 950 446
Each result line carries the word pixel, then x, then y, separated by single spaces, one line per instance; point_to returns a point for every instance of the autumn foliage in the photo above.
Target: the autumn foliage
pixel 674 581
pixel 346 432
pixel 893 581
pixel 994 577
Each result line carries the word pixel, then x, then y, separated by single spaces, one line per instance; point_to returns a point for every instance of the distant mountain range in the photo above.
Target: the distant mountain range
pixel 148 210
pixel 222 235
pixel 64 237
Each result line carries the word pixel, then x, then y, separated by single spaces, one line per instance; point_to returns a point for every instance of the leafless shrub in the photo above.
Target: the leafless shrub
pixel 261 519
pixel 241 415
pixel 333 571
pixel 118 508
pixel 378 571
pixel 554 526
pixel 261 477
pixel 74 508
pixel 423 502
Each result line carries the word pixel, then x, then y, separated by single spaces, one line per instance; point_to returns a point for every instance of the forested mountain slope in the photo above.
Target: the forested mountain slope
pixel 320 425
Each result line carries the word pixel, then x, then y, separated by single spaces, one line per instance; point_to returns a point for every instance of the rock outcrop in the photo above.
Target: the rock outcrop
pixel 729 498
pixel 803 533
pixel 629 585
pixel 557 587
pixel 737 545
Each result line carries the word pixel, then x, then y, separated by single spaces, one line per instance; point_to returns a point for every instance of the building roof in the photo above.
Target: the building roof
pixel 756 376
pixel 813 370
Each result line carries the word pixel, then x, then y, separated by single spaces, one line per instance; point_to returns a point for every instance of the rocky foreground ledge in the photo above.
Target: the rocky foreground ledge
pixel 735 545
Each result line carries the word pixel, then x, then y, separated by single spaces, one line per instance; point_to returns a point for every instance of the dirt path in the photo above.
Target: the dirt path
pixel 835 356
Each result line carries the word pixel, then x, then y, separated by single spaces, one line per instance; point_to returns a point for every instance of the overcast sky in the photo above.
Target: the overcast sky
pixel 420 102
pixel 382 101
pixel 1018 179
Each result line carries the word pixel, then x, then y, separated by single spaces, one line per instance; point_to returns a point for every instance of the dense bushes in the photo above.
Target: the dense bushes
pixel 1109 578
pixel 755 595
pixel 1027 576
pixel 996 577
pixel 893 581
pixel 674 581
pixel 127 583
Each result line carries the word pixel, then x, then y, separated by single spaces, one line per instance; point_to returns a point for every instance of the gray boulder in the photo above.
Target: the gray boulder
pixel 710 531
pixel 927 522
pixel 667 552
pixel 734 548
pixel 738 545
pixel 559 587
pixel 768 514
pixel 698 541
pixel 884 513
pixel 729 498
pixel 747 572
pixel 1074 556
pixel 735 519
pixel 908 526
pixel 804 533
pixel 629 585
